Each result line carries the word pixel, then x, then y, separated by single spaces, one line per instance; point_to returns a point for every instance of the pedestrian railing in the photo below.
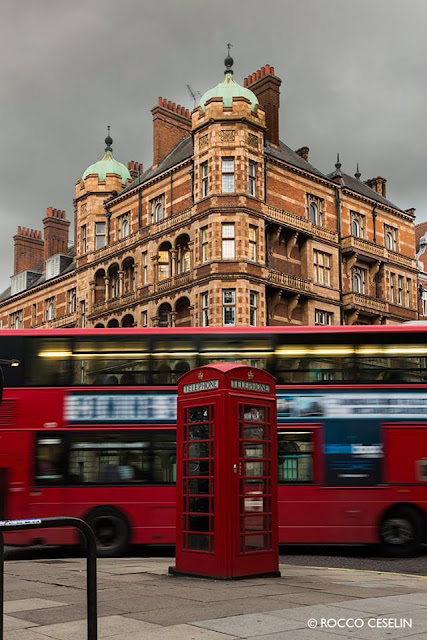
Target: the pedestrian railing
pixel 48 523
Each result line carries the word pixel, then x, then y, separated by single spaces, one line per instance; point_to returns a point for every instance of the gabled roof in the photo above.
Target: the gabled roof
pixel 354 184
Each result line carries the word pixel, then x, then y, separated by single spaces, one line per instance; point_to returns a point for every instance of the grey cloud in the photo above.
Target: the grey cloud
pixel 353 80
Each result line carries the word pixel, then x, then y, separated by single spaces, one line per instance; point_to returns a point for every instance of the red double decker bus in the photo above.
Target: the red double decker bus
pixel 87 429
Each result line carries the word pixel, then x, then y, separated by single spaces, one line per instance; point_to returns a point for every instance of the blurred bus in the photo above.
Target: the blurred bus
pixel 87 429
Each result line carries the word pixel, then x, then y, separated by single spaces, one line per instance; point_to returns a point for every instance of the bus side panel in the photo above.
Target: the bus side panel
pixel 406 454
pixel 150 510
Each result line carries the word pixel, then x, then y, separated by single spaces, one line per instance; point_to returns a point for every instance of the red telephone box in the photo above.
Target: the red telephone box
pixel 227 473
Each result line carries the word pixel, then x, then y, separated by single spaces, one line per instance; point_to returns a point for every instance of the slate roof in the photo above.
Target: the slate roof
pixel 353 184
pixel 4 295
pixel 182 151
pixel 286 154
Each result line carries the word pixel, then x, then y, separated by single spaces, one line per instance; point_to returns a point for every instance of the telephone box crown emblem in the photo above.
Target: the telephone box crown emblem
pixel 200 375
pixel 250 375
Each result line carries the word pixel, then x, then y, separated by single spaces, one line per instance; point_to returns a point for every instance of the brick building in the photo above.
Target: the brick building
pixel 228 227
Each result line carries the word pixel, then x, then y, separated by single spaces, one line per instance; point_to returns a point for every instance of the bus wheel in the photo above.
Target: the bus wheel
pixel 401 532
pixel 111 531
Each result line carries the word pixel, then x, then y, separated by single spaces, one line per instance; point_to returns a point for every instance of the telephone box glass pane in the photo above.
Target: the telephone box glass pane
pixel 255 523
pixel 198 491
pixel 199 542
pixel 253 450
pixel 198 450
pixel 198 505
pixel 197 468
pixel 254 469
pixel 255 542
pixel 254 414
pixel 253 432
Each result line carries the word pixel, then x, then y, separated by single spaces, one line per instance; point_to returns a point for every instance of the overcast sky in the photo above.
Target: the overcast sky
pixel 354 81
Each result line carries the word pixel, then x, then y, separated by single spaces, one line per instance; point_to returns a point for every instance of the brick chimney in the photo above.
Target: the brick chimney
pixel 266 87
pixel 55 232
pixel 135 169
pixel 303 152
pixel 171 123
pixel 378 184
pixel 28 249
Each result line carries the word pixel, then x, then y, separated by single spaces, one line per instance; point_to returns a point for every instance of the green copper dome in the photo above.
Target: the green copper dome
pixel 108 164
pixel 228 89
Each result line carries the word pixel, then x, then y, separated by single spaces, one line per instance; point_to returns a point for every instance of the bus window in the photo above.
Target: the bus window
pixel 47 362
pixel 255 351
pixel 172 358
pixel 114 458
pixel 295 452
pixel 164 458
pixel 110 362
pixel 49 460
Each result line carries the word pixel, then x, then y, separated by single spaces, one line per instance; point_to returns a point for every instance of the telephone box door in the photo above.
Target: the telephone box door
pixel 254 482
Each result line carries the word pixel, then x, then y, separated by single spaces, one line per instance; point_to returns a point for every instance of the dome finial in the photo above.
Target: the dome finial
pixel 228 60
pixel 338 163
pixel 108 141
pixel 357 174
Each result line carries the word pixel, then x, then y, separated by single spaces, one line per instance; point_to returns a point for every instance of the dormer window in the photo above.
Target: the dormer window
pixel 315 209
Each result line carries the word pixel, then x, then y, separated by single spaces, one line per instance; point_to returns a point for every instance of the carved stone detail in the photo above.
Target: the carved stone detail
pixel 203 142
pixel 253 140
pixel 228 135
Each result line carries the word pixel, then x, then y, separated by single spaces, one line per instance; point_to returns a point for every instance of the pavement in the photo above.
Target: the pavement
pixel 138 600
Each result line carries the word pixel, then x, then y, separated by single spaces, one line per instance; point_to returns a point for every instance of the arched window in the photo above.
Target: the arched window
pixel 355 229
pixel 125 227
pixel 164 262
pixel 389 240
pixel 159 212
pixel 359 280
pixel 313 213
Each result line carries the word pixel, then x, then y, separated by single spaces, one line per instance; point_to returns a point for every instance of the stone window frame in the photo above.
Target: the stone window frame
pixel 144 267
pixel 204 177
pixel 83 232
pixel 359 276
pixel 123 225
pixel 408 292
pixel 315 209
pixel 229 307
pixel 228 242
pixel 253 308
pixel 72 300
pixel 204 304
pixel 390 237
pixel 16 319
pixel 320 315
pixel 400 283
pixel 49 309
pixel 204 243
pixel 322 267
pixel 392 286
pixel 100 236
pixel 83 314
pixel 253 242
pixel 34 314
pixel 228 181
pixel 252 176
pixel 144 318
pixel 358 226
pixel 157 207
